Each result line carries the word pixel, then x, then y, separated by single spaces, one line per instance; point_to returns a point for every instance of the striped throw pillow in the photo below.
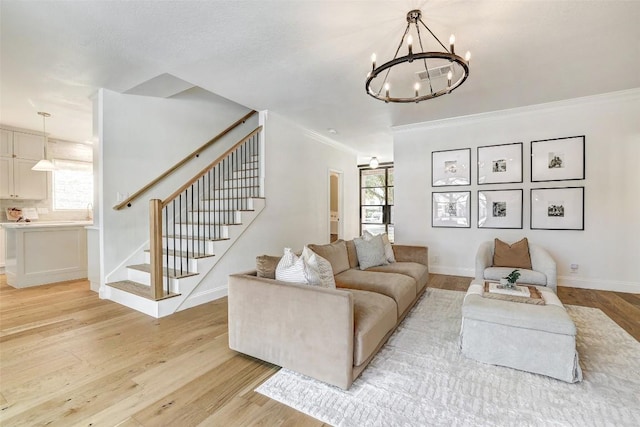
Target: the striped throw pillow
pixel 319 269
pixel 291 268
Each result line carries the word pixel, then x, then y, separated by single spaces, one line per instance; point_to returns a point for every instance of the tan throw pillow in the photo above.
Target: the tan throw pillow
pixel 514 256
pixel 353 255
pixel 266 266
pixel 335 253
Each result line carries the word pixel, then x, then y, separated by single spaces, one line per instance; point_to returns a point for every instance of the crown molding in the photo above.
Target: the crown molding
pixel 328 141
pixel 623 95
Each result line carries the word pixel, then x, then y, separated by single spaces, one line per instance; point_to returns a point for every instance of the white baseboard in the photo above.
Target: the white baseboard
pixel 203 297
pixel 452 271
pixel 599 284
pixel 566 281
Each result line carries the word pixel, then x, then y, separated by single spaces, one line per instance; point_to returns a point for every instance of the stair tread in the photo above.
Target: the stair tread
pixel 174 274
pixel 138 289
pixel 183 254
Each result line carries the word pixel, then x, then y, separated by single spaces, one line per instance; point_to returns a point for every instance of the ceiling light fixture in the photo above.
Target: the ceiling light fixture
pixel 429 67
pixel 44 165
pixel 373 163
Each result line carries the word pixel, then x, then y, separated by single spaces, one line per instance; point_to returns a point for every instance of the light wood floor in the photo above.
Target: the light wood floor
pixel 68 358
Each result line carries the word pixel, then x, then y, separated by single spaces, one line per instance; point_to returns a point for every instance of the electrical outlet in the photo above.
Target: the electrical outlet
pixel 436 259
pixel 574 268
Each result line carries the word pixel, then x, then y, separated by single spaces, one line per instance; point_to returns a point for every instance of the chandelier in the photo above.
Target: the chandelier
pixel 419 75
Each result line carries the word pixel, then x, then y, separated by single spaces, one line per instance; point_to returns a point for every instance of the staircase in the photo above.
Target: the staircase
pixel 191 231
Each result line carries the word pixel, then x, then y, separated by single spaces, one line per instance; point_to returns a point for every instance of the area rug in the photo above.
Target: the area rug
pixel 419 378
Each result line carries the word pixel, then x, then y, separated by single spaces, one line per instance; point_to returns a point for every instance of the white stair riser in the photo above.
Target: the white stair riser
pixel 229 184
pixel 207 231
pixel 214 217
pixel 206 246
pixel 226 204
pixel 237 192
pixel 174 261
pixel 245 174
pixel 144 278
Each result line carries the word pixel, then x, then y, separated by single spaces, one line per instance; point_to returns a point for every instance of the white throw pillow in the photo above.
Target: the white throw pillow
pixel 319 269
pixel 291 268
pixel 388 249
pixel 370 252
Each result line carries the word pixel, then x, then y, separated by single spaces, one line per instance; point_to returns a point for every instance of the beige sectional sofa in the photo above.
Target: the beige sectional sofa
pixel 327 334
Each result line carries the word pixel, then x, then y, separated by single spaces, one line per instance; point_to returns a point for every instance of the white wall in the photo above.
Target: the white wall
pixel 607 251
pixel 297 200
pixel 139 138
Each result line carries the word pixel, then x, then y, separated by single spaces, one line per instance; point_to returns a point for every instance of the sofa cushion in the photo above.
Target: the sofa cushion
pixel 266 266
pixel 335 253
pixel 526 276
pixel 397 286
pixel 419 272
pixel 515 255
pixel 374 316
pixel 370 252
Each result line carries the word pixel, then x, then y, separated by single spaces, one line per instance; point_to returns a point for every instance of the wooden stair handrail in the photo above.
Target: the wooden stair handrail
pixel 211 165
pixel 128 200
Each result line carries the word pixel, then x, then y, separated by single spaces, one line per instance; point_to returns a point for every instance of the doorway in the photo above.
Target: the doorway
pixel 335 205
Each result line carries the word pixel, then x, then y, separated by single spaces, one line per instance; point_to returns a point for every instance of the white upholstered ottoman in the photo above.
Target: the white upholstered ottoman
pixel 533 338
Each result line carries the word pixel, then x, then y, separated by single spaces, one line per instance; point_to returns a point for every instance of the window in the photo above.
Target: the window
pixel 376 200
pixel 72 184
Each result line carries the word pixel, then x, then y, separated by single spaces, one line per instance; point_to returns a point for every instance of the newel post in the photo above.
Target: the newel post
pixel 155 247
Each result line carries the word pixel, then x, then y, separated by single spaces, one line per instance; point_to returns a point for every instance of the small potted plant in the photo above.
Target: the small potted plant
pixel 510 280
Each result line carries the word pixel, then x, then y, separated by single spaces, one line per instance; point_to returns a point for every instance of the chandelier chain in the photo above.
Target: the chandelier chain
pixel 406 30
pixel 424 59
pixel 434 36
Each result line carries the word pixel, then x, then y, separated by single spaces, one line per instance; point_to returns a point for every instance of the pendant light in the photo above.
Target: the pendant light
pixel 44 165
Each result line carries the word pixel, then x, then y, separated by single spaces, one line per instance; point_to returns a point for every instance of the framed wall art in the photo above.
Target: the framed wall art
pixel 557 208
pixel 500 208
pixel 498 164
pixel 451 209
pixel 559 159
pixel 451 167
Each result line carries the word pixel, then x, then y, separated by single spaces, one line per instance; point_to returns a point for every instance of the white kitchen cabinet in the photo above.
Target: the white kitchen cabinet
pixel 6 143
pixel 2 249
pixel 28 146
pixel 19 152
pixel 6 178
pixel 41 253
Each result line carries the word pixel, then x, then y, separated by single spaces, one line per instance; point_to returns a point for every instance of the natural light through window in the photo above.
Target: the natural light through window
pixel 72 185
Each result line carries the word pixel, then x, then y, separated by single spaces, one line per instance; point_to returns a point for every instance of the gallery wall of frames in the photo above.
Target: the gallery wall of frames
pixel 499 170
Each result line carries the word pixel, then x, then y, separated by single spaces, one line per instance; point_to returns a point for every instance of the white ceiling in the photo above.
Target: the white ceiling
pixel 307 60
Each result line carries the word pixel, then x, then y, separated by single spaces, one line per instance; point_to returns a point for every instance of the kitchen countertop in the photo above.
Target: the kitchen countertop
pixel 45 224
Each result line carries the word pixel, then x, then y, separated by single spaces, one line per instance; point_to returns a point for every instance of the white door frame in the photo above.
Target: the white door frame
pixel 340 175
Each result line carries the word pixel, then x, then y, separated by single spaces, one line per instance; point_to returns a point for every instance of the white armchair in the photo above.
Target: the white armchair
pixel 543 267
